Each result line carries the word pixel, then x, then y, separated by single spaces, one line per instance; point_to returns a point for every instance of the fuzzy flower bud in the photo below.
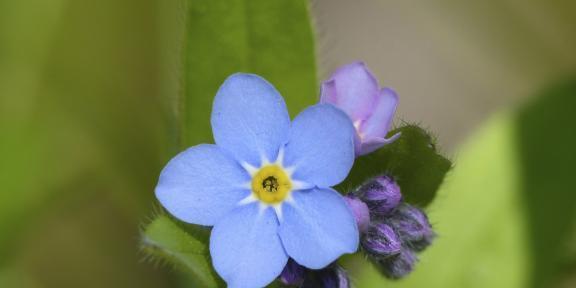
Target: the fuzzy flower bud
pixel 293 273
pixel 360 212
pixel 412 226
pixel 381 194
pixel 333 276
pixel 397 266
pixel 381 241
pixel 336 278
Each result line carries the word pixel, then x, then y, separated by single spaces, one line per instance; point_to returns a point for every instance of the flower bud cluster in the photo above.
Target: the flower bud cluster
pixel 295 275
pixel 333 276
pixel 395 231
pixel 392 233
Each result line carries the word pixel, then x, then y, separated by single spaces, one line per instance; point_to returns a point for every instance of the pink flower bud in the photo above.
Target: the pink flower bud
pixel 354 89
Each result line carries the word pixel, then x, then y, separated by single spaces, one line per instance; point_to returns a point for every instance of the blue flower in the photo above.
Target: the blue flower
pixel 265 184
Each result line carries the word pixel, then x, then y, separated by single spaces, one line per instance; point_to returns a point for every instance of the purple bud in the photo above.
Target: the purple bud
pixel 354 90
pixel 381 194
pixel 336 278
pixel 360 212
pixel 381 241
pixel 293 273
pixel 412 226
pixel 333 276
pixel 397 266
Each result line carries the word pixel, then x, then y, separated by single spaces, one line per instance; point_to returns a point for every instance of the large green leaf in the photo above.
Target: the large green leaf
pixel 270 38
pixel 505 215
pixel 413 161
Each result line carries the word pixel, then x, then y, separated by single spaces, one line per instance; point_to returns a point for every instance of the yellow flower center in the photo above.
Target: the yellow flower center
pixel 271 184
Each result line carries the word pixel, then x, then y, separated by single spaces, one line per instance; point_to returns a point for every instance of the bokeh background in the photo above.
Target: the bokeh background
pixel 89 94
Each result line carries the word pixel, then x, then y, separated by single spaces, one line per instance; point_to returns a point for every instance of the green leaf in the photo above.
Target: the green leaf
pixel 506 214
pixel 182 246
pixel 270 38
pixel 412 159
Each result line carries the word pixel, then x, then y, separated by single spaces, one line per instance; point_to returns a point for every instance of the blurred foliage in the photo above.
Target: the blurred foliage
pixel 546 134
pixel 21 173
pixel 412 160
pixel 82 134
pixel 505 214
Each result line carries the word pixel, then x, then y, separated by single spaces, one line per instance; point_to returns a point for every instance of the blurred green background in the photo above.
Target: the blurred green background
pixel 96 96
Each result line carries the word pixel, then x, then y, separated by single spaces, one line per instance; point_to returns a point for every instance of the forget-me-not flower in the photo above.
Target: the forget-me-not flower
pixel 265 184
pixel 355 90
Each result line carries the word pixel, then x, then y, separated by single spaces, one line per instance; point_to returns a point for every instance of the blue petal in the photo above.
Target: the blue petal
pixel 201 184
pixel 249 118
pixel 317 228
pixel 245 247
pixel 321 146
